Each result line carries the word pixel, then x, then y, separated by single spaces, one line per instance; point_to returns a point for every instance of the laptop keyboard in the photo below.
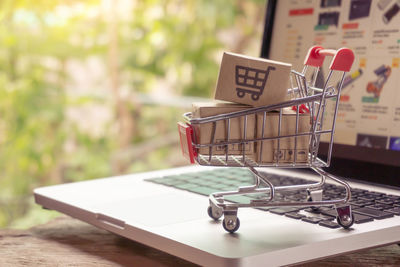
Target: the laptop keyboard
pixel 367 206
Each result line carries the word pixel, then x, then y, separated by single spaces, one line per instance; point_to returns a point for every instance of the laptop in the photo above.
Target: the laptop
pixel 167 209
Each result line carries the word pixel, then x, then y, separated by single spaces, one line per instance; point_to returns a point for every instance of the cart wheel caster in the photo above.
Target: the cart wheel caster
pixel 345 221
pixel 214 214
pixel 231 225
pixel 345 217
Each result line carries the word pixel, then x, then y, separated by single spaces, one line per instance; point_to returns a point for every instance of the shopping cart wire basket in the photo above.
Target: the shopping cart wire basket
pixel 297 148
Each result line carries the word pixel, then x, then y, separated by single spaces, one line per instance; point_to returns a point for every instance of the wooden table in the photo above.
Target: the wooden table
pixel 68 242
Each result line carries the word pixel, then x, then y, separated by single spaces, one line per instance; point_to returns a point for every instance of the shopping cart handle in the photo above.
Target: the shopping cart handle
pixel 326 52
pixel 186 138
pixel 343 58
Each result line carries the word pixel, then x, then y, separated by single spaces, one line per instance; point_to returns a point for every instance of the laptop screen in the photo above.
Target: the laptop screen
pixel 367 136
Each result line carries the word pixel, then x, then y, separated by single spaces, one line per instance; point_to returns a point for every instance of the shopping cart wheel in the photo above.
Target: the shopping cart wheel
pixel 255 97
pixel 231 225
pixel 214 214
pixel 345 216
pixel 346 221
pixel 240 93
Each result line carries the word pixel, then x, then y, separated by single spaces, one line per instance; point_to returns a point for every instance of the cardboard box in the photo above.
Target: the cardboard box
pixel 252 81
pixel 203 132
pixel 267 151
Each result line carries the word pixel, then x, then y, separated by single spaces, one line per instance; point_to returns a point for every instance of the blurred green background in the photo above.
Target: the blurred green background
pixel 94 88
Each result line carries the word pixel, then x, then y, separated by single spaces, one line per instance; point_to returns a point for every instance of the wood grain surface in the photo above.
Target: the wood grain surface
pixel 65 241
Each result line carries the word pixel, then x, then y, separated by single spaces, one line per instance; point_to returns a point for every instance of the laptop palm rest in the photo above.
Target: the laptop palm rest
pixel 154 211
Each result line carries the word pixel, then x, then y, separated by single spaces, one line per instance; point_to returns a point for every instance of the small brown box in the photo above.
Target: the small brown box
pixel 252 81
pixel 269 152
pixel 203 132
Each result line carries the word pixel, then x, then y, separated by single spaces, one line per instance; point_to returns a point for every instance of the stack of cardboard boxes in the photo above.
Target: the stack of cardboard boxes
pixel 248 82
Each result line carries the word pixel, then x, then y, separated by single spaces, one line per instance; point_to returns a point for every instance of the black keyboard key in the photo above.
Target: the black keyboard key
pixel 294 215
pixel 395 210
pixel 379 207
pixel 358 218
pixel 283 210
pixel 358 191
pixel 384 201
pixel 314 220
pixel 366 199
pixel 375 194
pixel 323 212
pixel 376 214
pixel 357 195
pixel 329 224
pixel 329 212
pixel 354 206
pixel 394 198
pixel 362 203
pixel 313 210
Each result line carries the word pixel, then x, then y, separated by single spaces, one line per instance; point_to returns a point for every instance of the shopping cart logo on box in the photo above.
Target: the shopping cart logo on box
pixel 251 81
pixel 238 147
pixel 288 155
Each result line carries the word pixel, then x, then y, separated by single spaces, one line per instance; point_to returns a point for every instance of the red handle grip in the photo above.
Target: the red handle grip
pixel 326 52
pixel 343 58
pixel 186 137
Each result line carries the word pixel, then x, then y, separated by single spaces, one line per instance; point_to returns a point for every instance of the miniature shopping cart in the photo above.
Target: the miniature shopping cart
pixel 307 101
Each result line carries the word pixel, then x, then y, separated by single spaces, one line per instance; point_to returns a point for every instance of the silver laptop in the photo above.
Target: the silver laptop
pixel 167 209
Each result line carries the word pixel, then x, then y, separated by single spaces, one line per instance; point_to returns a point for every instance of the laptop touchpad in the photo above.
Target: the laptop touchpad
pixel 156 210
